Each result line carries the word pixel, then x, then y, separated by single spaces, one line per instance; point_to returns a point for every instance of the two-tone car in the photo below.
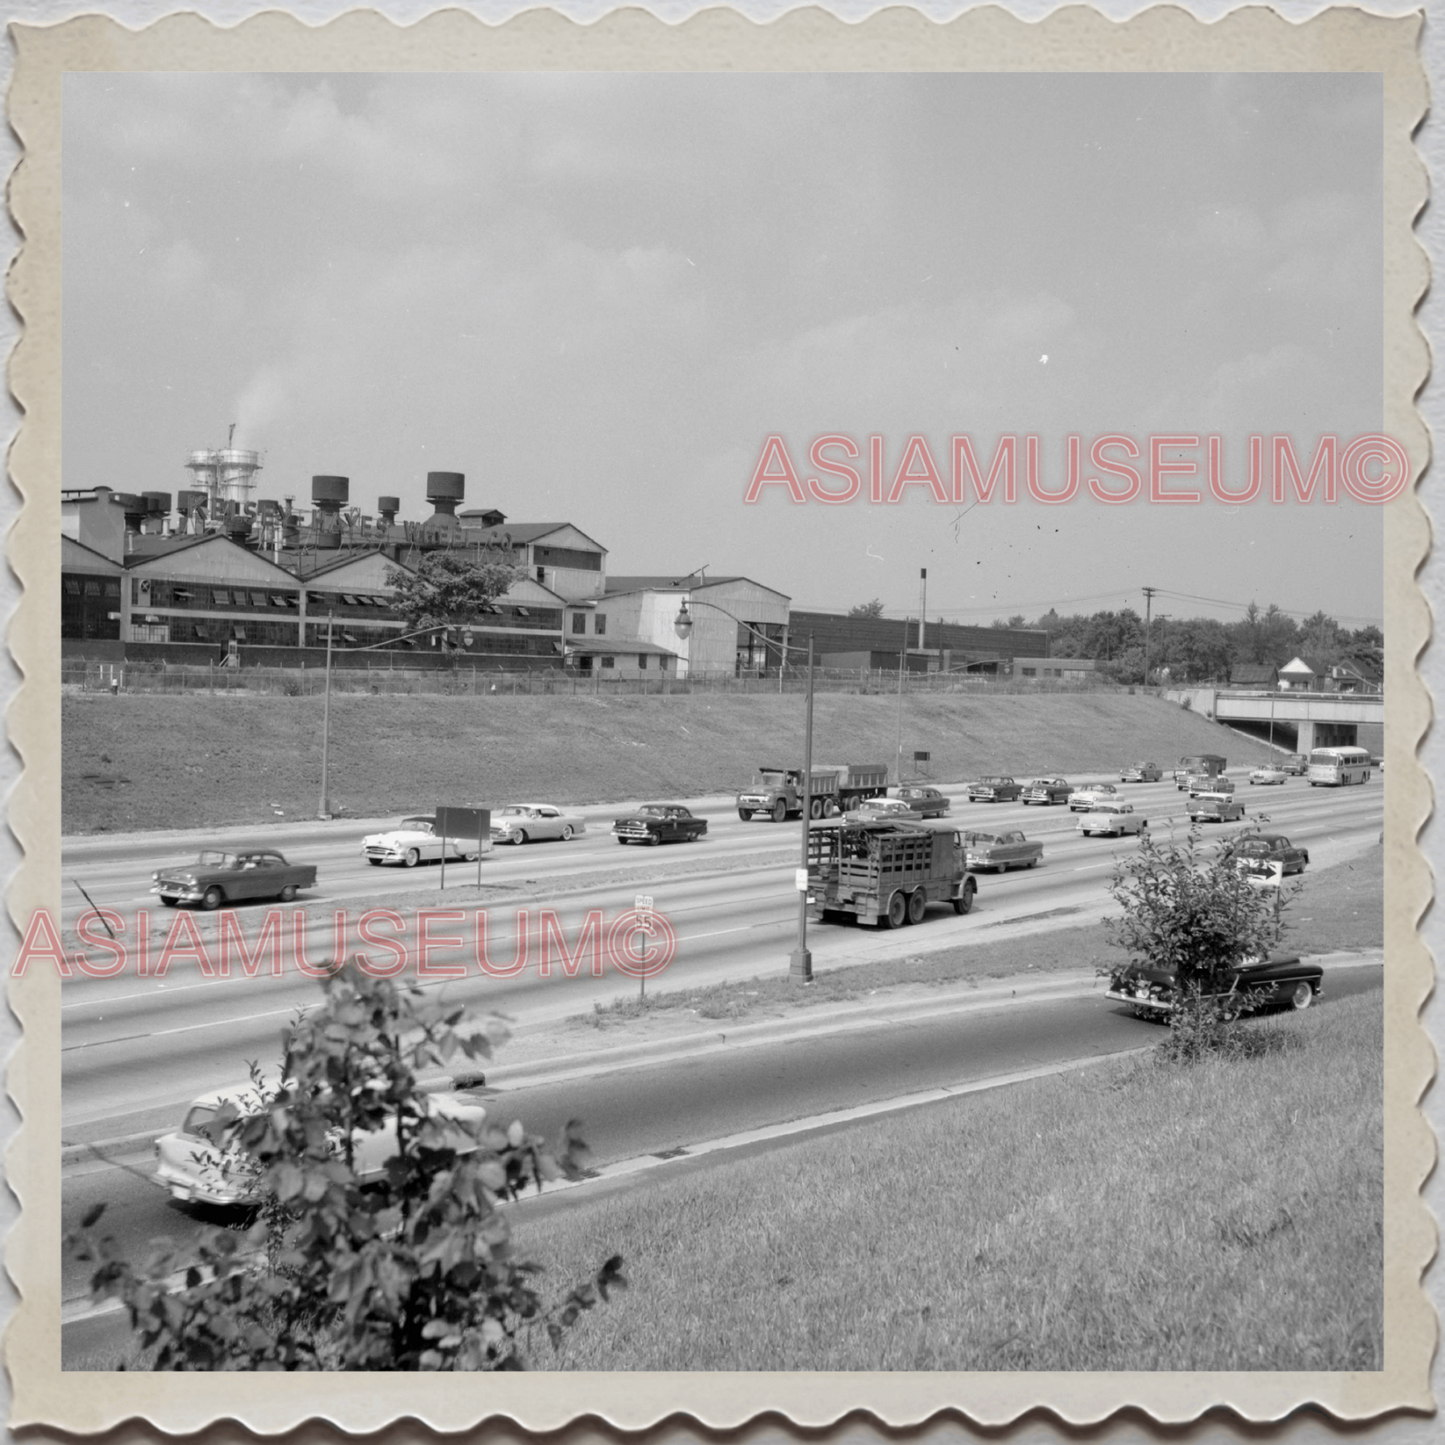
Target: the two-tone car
pixel 655 823
pixel 885 808
pixel 925 801
pixel 1267 775
pixel 1141 773
pixel 218 877
pixel 1258 852
pixel 1214 808
pixel 519 823
pixel 1208 783
pixel 417 839
pixel 999 852
pixel 1088 795
pixel 1282 980
pixel 202 1162
pixel 994 790
pixel 1112 820
pixel 1047 791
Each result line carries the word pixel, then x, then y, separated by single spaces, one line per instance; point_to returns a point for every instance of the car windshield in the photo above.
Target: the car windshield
pixel 214 858
pixel 417 825
pixel 512 812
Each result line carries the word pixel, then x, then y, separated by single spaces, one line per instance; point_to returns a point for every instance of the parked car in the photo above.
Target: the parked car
pixel 202 1161
pixel 1047 791
pixel 659 823
pixel 416 840
pixel 1000 851
pixel 1257 851
pixel 1282 979
pixel 994 790
pixel 1208 783
pixel 1086 795
pixel 1296 765
pixel 1268 776
pixel 925 801
pixel 1214 808
pixel 532 822
pixel 1112 820
pixel 1141 773
pixel 216 878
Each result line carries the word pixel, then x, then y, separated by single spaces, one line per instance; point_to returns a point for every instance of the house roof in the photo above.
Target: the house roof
pixel 1307 663
pixel 534 531
pixel 350 558
pixel 91 557
pixel 620 647
pixel 688 582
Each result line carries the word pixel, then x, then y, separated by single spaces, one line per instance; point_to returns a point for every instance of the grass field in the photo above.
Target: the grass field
pixel 136 761
pixel 1336 908
pixel 1227 1216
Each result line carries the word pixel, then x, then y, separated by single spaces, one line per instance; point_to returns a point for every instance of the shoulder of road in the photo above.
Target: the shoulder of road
pixel 549 1051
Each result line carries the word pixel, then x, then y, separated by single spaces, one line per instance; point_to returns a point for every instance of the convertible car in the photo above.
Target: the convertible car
pixel 201 1162
pixel 416 840
pixel 1282 979
pixel 216 878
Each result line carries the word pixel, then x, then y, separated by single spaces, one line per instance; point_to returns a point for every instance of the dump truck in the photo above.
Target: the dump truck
pixel 836 788
pixel 885 873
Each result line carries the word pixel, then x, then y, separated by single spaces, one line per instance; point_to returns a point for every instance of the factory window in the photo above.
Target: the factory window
pixel 1029 671
pixel 662 664
pixel 579 621
pixel 522 612
pixel 220 597
pixel 347 598
pixel 181 596
pixel 279 599
pixel 72 588
pixel 642 662
pixel 238 632
pixel 609 662
pixel 599 625
pixel 349 637
pixel 92 588
pixel 315 599
pixel 258 599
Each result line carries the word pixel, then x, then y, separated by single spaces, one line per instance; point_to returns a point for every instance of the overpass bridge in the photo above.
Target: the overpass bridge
pixel 1319 719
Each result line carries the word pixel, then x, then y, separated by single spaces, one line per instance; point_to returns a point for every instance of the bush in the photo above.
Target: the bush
pixel 413 1272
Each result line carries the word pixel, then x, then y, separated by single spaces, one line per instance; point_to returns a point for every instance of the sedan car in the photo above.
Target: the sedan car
pixel 1000 851
pixel 1047 791
pixel 1208 783
pixel 1258 851
pixel 885 808
pixel 416 840
pixel 1141 773
pixel 216 878
pixel 1112 820
pixel 529 822
pixel 1215 808
pixel 1282 979
pixel 994 790
pixel 1296 765
pixel 202 1161
pixel 659 823
pixel 926 802
pixel 1268 776
pixel 1086 795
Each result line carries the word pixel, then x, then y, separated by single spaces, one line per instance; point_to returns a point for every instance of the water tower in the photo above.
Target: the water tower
pixel 226 474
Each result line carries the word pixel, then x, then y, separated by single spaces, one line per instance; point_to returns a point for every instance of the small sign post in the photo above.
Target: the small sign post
pixel 642 903
pixel 464 824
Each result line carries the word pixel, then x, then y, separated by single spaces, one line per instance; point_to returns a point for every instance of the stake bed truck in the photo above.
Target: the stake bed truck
pixel 886 873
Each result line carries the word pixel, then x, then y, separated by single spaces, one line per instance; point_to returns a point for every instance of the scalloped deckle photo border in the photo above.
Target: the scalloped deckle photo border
pixel 1075 39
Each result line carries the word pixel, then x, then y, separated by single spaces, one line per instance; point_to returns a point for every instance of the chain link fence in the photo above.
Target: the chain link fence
pixel 78 675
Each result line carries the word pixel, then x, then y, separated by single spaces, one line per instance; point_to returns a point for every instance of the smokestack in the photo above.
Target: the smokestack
pixel 157 509
pixel 329 495
pixel 388 507
pixel 445 490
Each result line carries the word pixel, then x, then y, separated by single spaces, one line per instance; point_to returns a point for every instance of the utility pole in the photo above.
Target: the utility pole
pixel 902 663
pixel 324 811
pixel 922 608
pixel 1148 603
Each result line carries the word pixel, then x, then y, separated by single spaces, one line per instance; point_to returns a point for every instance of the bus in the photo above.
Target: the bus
pixel 1339 767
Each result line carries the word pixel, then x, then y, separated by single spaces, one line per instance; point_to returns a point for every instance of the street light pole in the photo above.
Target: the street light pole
pixel 800 962
pixel 325 809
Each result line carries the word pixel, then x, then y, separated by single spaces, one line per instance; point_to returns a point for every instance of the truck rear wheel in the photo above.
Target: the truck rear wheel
pixel 780 811
pixel 964 904
pixel 897 913
pixel 917 906
pixel 815 808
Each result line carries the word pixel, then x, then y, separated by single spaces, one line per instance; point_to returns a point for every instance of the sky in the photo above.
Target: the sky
pixel 598 295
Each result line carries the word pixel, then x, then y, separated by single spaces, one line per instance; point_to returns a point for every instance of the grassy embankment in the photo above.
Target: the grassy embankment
pixel 139 762
pixel 1335 909
pixel 1227 1216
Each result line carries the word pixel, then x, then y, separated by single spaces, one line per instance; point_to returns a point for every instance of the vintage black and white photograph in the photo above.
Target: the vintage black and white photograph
pixel 722 722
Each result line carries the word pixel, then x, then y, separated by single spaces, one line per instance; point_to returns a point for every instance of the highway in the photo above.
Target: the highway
pixel 135 1048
